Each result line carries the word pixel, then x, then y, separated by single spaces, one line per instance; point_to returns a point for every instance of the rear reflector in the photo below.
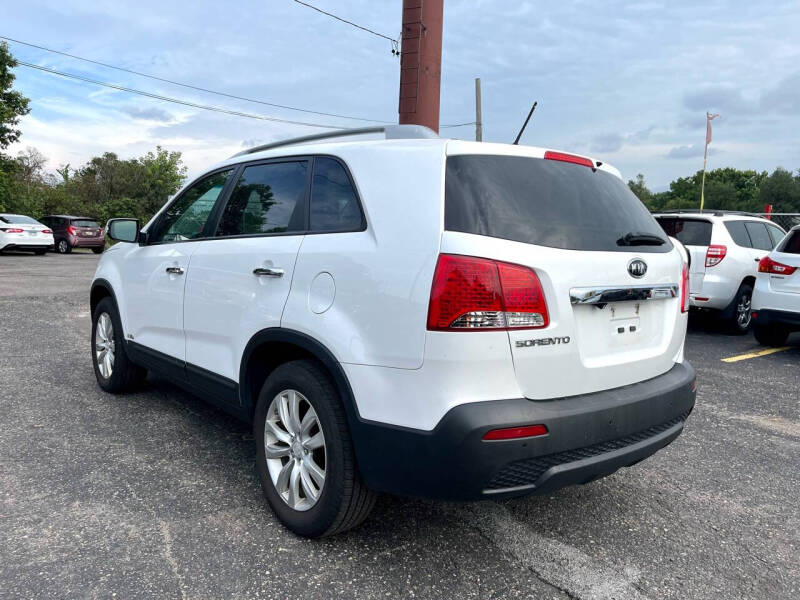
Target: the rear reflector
pixel 514 433
pixel 471 293
pixel 700 299
pixel 767 265
pixel 570 158
pixel 715 254
pixel 47 231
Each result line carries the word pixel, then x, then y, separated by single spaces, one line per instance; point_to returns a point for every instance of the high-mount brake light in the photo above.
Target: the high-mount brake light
pixel 470 293
pixel 767 265
pixel 570 158
pixel 715 254
pixel 515 433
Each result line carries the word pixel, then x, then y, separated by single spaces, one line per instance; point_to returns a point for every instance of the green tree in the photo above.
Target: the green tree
pixel 13 105
pixel 782 190
pixel 163 175
pixel 640 189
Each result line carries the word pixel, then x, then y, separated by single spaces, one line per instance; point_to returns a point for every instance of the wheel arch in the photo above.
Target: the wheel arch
pixel 275 346
pixel 101 288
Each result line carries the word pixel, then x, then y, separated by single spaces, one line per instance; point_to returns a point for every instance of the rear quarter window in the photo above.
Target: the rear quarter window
pixel 690 232
pixel 739 233
pixel 544 202
pixel 758 235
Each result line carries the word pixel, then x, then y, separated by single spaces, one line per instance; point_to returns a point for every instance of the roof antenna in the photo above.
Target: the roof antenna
pixel 525 124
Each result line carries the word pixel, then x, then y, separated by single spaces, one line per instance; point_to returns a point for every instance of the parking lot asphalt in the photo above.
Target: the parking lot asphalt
pixel 154 494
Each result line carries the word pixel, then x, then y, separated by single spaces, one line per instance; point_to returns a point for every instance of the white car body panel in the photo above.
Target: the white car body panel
pixel 779 292
pixel 31 235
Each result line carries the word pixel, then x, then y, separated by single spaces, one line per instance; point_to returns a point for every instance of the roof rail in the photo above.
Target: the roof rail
pixel 391 132
pixel 707 211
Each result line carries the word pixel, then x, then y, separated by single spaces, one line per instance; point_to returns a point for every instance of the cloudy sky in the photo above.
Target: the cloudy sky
pixel 627 82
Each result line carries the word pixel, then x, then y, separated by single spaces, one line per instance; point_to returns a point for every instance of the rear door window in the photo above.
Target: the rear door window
pixel 738 233
pixel 545 202
pixel 758 235
pixel 690 232
pixel 268 198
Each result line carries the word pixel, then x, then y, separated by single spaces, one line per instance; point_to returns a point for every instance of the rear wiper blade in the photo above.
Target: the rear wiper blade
pixel 634 238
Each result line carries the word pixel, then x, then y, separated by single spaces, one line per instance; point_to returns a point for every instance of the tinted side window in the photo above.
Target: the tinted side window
pixel 185 219
pixel 267 198
pixel 690 232
pixel 792 243
pixel 334 204
pixel 738 233
pixel 758 235
pixel 776 234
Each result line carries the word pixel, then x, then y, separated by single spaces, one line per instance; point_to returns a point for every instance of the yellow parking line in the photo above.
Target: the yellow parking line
pixel 755 354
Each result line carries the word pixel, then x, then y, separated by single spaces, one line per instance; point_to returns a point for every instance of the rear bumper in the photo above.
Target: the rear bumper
pixel 84 242
pixel 765 317
pixel 34 245
pixel 589 436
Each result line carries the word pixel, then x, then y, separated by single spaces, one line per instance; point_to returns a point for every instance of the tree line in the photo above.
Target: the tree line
pixel 726 189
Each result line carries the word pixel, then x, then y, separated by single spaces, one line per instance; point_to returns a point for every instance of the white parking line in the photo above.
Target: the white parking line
pixel 562 566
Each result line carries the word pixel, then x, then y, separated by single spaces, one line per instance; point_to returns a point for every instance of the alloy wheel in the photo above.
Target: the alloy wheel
pixel 743 314
pixel 295 449
pixel 104 345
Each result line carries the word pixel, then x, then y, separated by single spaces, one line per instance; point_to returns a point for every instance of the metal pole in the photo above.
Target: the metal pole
pixel 703 181
pixel 478 122
pixel 421 63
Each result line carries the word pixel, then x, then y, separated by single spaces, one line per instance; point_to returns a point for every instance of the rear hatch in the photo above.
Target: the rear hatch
pixel 695 234
pixel 585 235
pixel 86 228
pixel 785 276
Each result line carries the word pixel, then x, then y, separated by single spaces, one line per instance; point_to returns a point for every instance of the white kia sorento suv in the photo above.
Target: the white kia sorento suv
pixel 395 312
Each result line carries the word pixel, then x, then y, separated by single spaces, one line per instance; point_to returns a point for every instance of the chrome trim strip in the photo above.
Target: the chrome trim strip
pixel 605 295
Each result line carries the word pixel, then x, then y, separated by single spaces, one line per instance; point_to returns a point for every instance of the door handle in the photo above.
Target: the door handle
pixel 268 272
pixel 176 270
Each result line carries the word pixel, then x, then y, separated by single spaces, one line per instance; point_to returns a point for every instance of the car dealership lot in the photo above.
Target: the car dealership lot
pixel 155 494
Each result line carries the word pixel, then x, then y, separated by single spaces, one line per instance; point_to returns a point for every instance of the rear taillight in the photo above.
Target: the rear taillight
pixel 11 230
pixel 715 254
pixel 71 230
pixel 515 433
pixel 478 293
pixel 767 265
pixel 685 288
pixel 47 231
pixel 570 158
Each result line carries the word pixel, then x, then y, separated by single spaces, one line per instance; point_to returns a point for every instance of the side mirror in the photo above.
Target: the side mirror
pixel 123 230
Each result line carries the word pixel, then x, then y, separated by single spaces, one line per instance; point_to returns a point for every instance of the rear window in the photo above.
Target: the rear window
pixel 544 202
pixel 19 220
pixel 791 245
pixel 690 232
pixel 85 223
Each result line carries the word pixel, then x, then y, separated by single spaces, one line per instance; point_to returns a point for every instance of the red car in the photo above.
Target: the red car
pixel 75 232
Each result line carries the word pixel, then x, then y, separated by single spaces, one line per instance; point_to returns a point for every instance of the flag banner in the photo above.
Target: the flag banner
pixel 709 118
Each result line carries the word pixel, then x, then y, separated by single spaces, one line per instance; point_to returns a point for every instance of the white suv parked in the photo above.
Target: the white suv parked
pixel 407 314
pixel 724 250
pixel 776 299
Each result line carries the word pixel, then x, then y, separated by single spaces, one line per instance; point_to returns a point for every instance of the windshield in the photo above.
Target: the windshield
pixel 19 219
pixel 548 203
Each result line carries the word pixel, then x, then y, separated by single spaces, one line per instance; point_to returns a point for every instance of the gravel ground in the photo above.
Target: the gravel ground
pixel 154 494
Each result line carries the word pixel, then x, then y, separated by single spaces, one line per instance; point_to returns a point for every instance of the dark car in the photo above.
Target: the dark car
pixel 75 232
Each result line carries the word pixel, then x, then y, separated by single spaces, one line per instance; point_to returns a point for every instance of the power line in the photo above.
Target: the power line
pixel 367 29
pixel 175 100
pixel 192 87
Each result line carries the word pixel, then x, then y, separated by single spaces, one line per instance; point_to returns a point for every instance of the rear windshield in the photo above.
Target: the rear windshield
pixel 690 232
pixel 545 202
pixel 19 220
pixel 85 223
pixel 791 245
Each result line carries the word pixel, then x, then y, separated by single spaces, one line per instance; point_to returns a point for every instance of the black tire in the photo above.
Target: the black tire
pixel 739 312
pixel 63 247
pixel 98 250
pixel 772 335
pixel 344 501
pixel 40 252
pixel 125 375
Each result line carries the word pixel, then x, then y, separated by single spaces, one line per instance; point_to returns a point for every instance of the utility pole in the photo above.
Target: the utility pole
pixel 478 121
pixel 421 63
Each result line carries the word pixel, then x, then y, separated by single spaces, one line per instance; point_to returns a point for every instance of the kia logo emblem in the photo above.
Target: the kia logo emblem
pixel 637 268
